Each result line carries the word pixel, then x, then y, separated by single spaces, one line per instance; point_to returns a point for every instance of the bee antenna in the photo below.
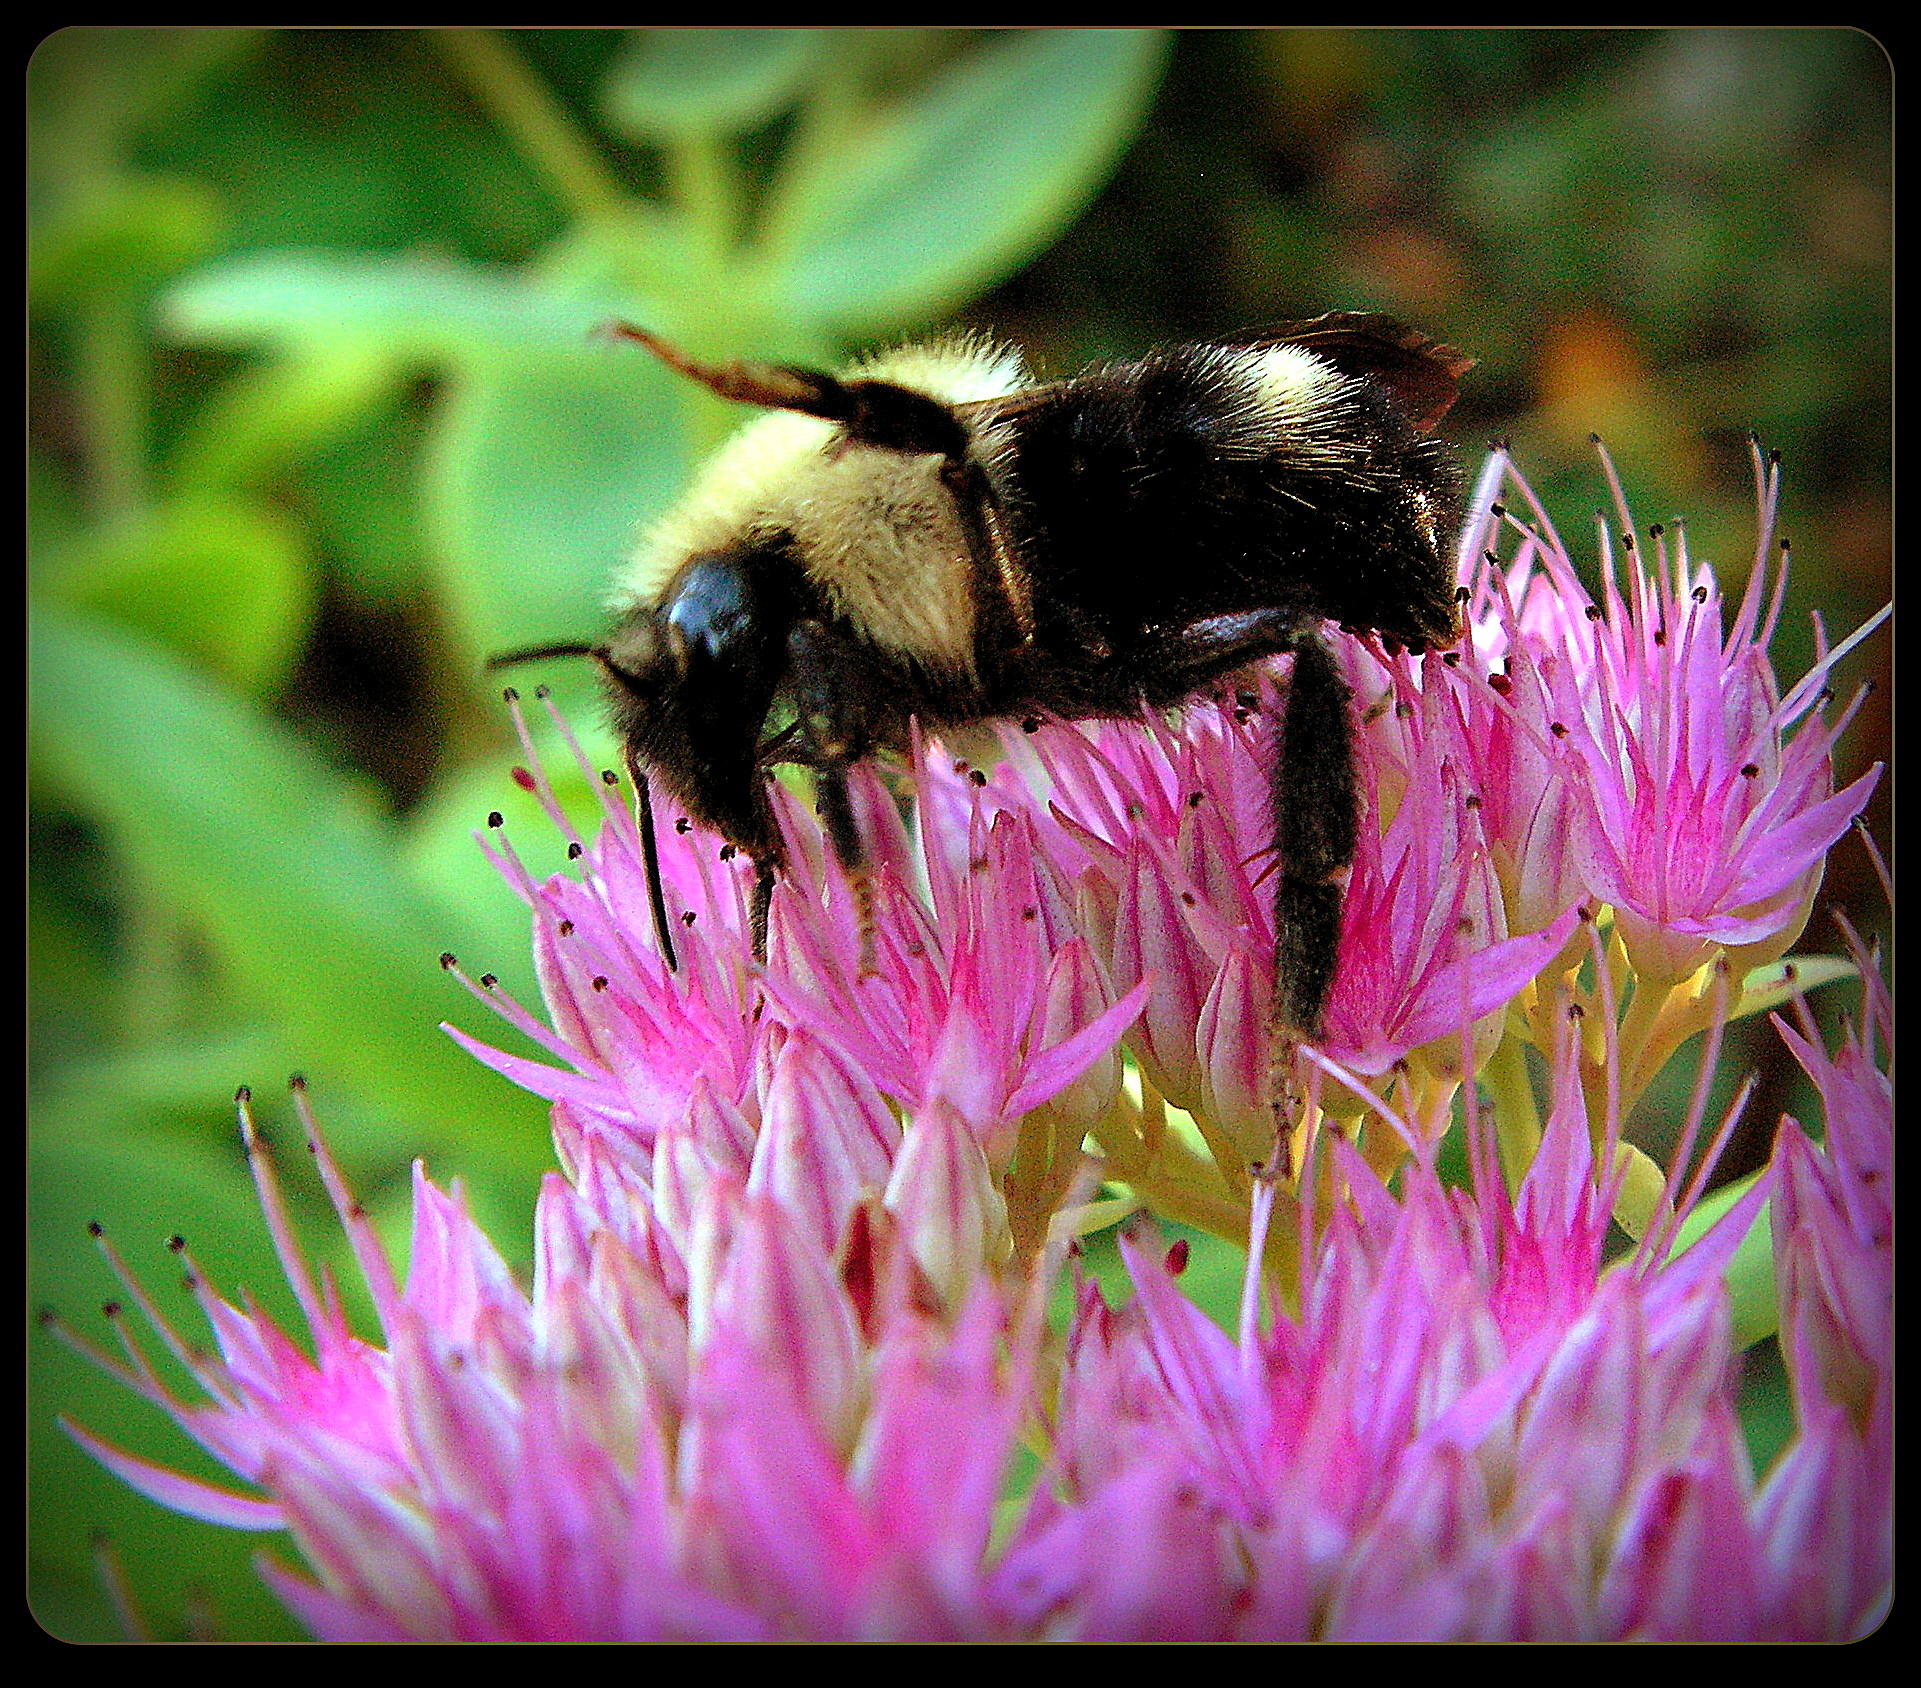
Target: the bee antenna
pixel 536 653
pixel 774 386
pixel 599 653
pixel 649 845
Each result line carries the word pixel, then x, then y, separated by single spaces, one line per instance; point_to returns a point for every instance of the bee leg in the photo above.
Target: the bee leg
pixel 762 906
pixel 1316 810
pixel 1169 666
pixel 829 686
pixel 843 833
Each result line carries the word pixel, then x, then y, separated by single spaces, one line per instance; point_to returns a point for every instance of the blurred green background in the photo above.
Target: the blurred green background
pixel 318 422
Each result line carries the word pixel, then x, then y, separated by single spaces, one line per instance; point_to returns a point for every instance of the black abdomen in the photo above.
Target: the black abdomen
pixel 1155 495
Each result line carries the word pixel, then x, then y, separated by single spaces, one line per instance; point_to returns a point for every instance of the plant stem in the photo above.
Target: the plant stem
pixel 534 121
pixel 112 379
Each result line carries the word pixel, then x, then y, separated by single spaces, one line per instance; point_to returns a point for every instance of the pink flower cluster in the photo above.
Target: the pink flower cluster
pixel 1467 1431
pixel 786 1330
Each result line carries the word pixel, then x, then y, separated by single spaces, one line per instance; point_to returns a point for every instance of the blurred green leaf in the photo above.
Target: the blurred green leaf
pixel 90 89
pixel 542 473
pixel 223 580
pixel 269 415
pixel 965 181
pixel 431 312
pixel 119 239
pixel 298 888
pixel 675 84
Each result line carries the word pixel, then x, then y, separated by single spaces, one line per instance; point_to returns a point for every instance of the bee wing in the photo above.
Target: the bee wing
pixel 1421 373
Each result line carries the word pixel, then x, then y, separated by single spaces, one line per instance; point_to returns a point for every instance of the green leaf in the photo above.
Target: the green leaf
pixel 1753 1298
pixel 553 445
pixel 91 91
pixel 543 471
pixel 683 84
pixel 1769 987
pixel 267 417
pixel 960 185
pixel 223 580
pixel 120 239
pixel 298 889
pixel 412 307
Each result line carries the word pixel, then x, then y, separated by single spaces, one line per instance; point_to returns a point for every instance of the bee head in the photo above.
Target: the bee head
pixel 692 678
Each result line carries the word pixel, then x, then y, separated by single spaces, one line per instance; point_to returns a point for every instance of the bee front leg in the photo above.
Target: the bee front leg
pixel 830 687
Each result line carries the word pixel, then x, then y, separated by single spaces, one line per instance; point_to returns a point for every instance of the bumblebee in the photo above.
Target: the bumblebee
pixel 934 536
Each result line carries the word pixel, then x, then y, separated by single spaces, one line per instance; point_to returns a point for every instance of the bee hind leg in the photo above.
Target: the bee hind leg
pixel 1316 815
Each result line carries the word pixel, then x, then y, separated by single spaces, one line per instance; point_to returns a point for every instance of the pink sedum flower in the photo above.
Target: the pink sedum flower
pixel 783 1339
pixel 1471 1428
pixel 1158 828
pixel 1696 799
